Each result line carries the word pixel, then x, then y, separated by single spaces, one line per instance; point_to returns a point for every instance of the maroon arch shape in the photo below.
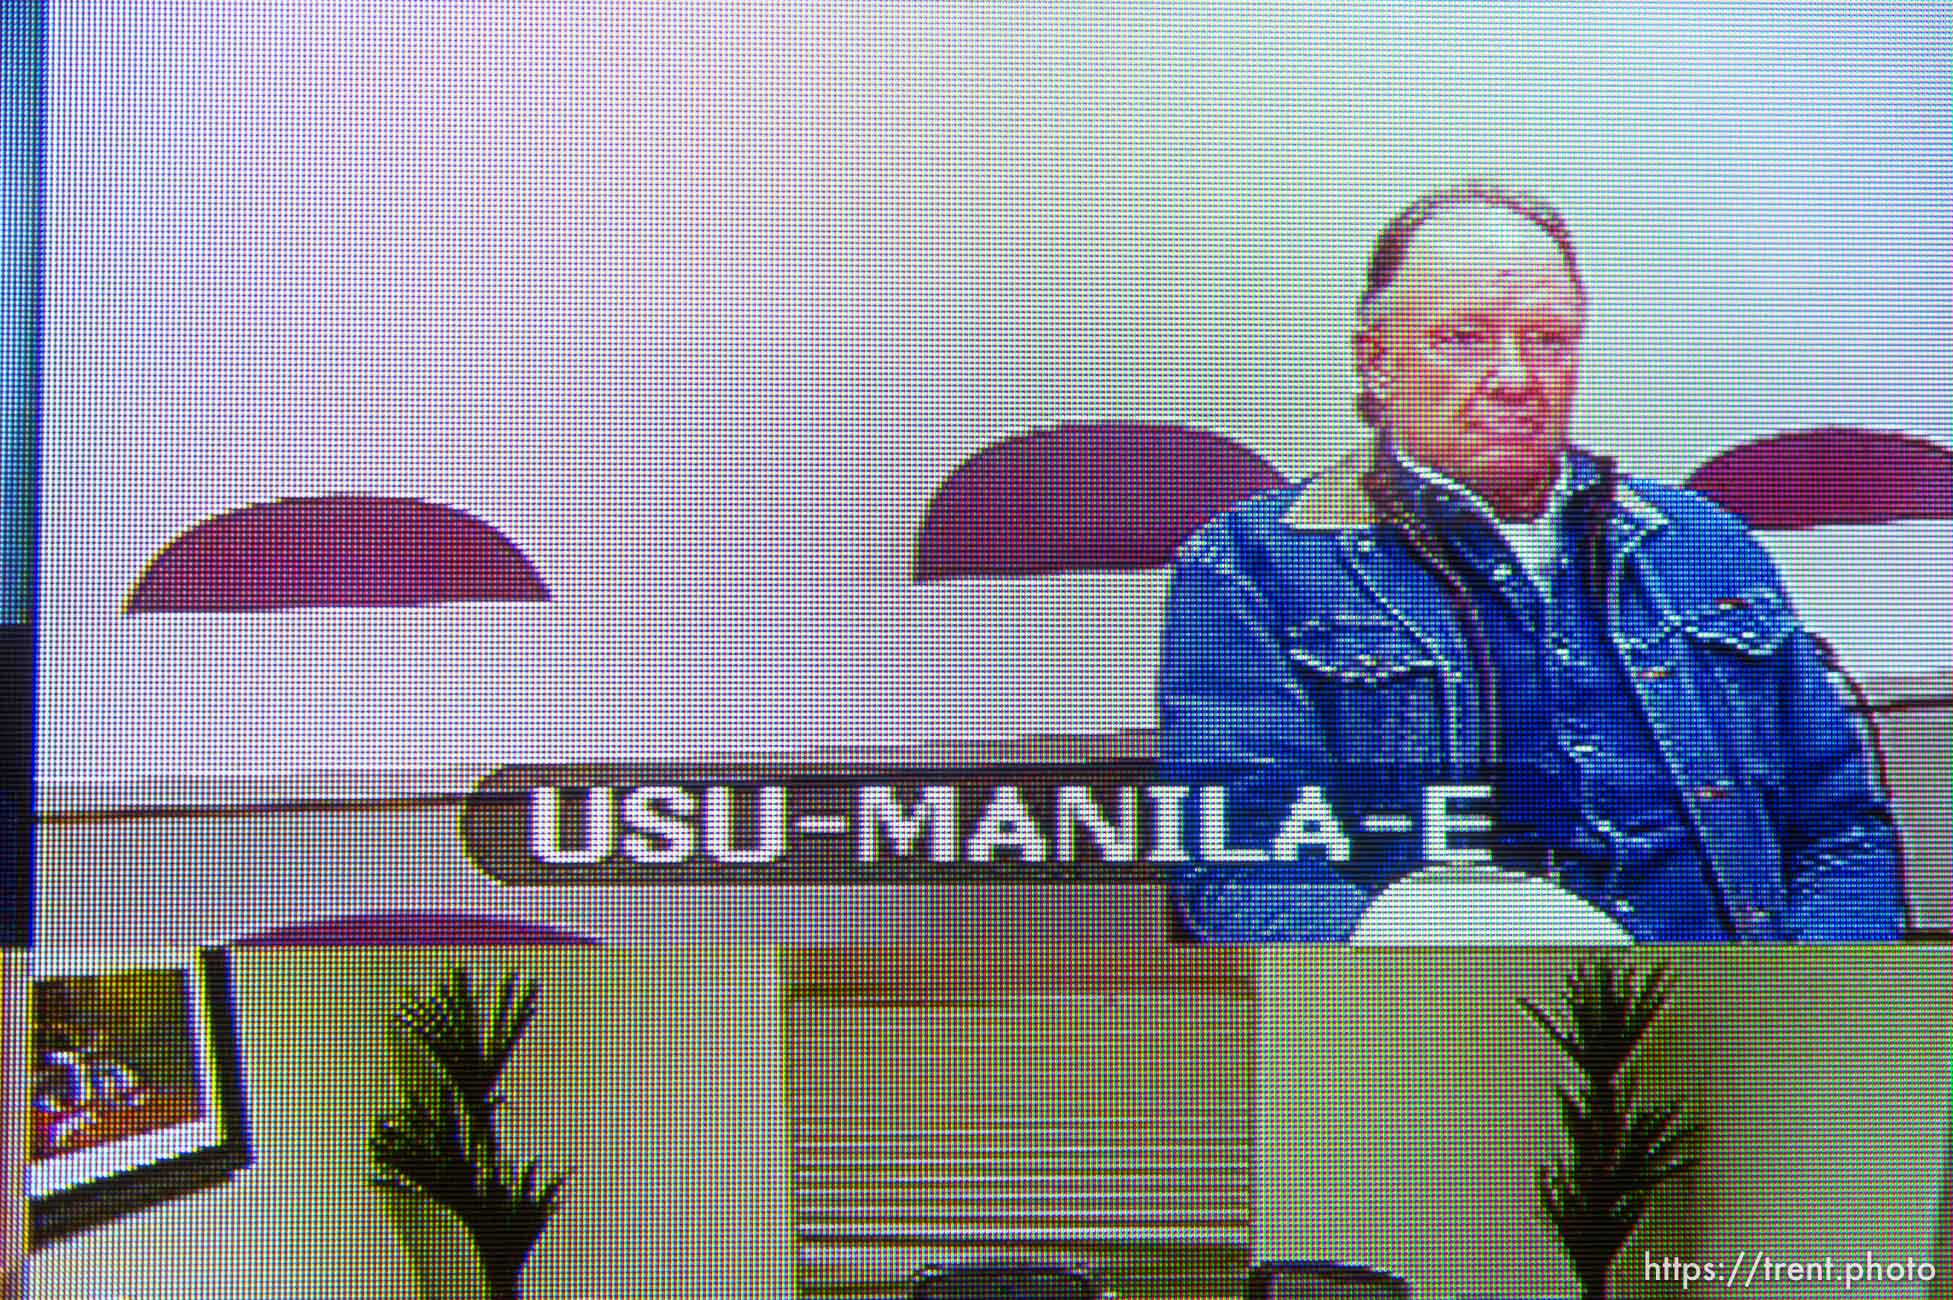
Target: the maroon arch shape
pixel 415 929
pixel 1812 477
pixel 334 551
pixel 1104 495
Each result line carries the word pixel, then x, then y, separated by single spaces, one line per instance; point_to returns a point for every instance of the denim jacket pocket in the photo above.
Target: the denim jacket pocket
pixel 1378 689
pixel 1754 622
pixel 1738 640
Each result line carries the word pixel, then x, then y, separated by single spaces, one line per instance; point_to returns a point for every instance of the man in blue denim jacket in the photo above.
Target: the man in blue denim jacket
pixel 1471 599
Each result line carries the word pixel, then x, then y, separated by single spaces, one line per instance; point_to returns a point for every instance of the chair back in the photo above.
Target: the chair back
pixel 334 551
pixel 414 929
pixel 1323 1280
pixel 1814 477
pixel 1004 1280
pixel 1095 496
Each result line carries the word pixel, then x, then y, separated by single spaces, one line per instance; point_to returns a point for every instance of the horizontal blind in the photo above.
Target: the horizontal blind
pixel 1096 1113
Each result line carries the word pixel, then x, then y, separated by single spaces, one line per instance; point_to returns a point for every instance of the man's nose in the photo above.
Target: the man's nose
pixel 1509 370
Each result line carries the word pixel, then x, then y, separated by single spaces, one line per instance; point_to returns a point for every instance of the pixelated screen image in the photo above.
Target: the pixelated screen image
pixel 1152 1120
pixel 911 648
pixel 427 391
pixel 115 1058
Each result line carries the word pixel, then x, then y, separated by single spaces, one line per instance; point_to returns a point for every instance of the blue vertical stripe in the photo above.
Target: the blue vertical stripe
pixel 21 52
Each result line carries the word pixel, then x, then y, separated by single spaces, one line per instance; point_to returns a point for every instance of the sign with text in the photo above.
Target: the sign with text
pixel 774 823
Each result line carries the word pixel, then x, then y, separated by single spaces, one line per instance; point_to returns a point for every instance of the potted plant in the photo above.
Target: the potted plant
pixel 1619 1148
pixel 441 1145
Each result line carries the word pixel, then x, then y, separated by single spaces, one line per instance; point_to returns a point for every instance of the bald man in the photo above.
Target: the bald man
pixel 1471 608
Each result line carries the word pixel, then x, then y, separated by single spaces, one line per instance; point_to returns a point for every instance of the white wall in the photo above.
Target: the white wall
pixel 698 301
pixel 656 1077
pixel 1404 1101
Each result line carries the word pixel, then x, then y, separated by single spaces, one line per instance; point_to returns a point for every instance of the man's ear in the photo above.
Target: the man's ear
pixel 1369 353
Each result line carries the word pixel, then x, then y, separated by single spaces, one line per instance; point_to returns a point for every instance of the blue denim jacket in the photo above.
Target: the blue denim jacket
pixel 1307 644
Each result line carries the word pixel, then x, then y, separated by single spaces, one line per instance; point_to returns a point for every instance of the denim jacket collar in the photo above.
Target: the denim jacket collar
pixel 1335 499
pixel 1436 494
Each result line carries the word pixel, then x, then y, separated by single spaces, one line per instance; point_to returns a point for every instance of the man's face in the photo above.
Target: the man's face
pixel 1476 357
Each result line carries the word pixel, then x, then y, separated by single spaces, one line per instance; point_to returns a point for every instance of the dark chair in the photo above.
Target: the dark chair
pixel 1004 1280
pixel 1323 1280
pixel 334 550
pixel 1830 476
pixel 1109 495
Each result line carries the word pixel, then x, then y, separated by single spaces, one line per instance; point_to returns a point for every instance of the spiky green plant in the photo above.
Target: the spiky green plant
pixel 1620 1149
pixel 471 1050
pixel 442 1140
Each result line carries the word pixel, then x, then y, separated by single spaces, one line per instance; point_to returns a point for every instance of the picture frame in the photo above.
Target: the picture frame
pixel 137 1084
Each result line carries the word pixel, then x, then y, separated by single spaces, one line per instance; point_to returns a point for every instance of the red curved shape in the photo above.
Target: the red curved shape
pixel 334 550
pixel 1106 495
pixel 415 930
pixel 1830 476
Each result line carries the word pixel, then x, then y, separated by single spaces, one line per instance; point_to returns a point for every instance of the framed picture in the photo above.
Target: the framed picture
pixel 138 1094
